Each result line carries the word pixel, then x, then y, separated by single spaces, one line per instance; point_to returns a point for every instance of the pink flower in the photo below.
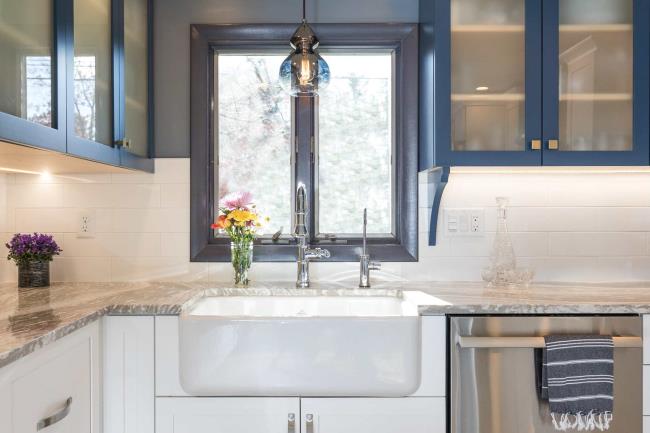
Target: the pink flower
pixel 237 200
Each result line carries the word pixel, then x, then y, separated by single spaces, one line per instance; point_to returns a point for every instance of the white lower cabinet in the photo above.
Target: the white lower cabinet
pixel 373 415
pixel 227 415
pixel 293 415
pixel 56 388
pixel 129 385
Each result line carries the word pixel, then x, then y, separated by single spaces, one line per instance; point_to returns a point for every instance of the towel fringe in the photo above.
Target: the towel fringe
pixel 582 422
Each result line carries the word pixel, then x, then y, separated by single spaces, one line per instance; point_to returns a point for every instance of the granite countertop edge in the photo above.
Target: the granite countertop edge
pixel 167 299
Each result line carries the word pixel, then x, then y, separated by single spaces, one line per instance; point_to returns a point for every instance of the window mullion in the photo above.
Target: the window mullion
pixel 304 133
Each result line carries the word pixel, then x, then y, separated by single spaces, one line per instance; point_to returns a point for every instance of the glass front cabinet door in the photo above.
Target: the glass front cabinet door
pixel 74 77
pixel 534 82
pixel 135 119
pixel 596 86
pixel 32 64
pixel 89 78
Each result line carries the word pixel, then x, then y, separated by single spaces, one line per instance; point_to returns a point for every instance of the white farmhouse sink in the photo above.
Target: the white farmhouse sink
pixel 300 346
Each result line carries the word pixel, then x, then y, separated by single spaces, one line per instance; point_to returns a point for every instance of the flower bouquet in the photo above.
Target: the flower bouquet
pixel 33 254
pixel 239 219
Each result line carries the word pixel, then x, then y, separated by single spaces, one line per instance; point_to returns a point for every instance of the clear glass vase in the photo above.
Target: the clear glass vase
pixel 241 257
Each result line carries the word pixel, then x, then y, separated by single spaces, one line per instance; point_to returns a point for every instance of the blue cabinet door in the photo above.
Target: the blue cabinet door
pixel 596 68
pixel 32 71
pixel 483 106
pixel 89 75
pixel 134 91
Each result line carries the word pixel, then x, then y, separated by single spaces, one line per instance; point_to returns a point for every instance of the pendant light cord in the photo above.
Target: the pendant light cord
pixel 304 17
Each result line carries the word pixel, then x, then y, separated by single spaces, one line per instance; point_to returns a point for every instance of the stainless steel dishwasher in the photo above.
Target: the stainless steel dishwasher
pixel 492 371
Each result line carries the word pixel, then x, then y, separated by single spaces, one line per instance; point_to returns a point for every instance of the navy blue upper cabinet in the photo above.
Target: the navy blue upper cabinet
pixel 66 82
pixel 534 82
pixel 135 124
pixel 89 76
pixel 596 92
pixel 32 67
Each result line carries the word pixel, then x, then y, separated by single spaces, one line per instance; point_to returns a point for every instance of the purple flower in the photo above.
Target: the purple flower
pixel 24 248
pixel 237 200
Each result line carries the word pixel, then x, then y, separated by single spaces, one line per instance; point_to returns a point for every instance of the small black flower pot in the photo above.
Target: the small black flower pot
pixel 34 274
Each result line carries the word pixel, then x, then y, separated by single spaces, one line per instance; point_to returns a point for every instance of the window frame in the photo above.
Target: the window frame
pixel 403 40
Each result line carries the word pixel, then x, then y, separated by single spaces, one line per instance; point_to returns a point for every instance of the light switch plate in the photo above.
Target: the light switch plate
pixel 464 222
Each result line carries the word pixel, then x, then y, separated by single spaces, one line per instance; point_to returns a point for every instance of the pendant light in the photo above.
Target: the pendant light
pixel 304 72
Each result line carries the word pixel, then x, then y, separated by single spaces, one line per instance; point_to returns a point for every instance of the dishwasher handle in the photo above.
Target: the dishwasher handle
pixel 530 342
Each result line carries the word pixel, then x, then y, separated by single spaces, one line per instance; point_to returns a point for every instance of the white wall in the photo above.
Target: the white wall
pixel 567 226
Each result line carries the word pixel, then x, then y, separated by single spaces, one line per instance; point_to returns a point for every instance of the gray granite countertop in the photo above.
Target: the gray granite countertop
pixel 31 318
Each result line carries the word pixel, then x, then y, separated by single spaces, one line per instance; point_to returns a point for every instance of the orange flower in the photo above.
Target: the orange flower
pixel 222 223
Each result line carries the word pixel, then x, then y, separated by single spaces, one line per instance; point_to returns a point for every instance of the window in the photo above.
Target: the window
pixel 355 142
pixel 350 145
pixel 253 134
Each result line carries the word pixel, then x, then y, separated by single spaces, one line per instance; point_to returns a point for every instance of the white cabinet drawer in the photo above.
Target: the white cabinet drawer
pixel 373 415
pixel 56 385
pixel 227 415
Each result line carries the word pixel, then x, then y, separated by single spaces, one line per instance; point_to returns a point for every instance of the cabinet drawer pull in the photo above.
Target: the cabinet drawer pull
pixel 536 144
pixel 553 144
pixel 291 423
pixel 53 419
pixel 309 423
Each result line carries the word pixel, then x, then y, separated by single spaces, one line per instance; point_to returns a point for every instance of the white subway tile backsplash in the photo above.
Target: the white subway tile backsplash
pixel 175 195
pixel 81 269
pixel 136 196
pixel 157 268
pixel 48 220
pixel 566 226
pixel 603 189
pixel 88 195
pixel 524 244
pixel 35 195
pixel 113 245
pixel 597 244
pixel 157 220
pixel 175 245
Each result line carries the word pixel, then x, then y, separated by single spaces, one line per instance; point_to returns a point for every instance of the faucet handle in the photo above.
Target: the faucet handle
pixel 323 252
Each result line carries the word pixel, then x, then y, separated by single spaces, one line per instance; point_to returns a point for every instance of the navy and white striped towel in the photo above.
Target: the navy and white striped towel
pixel 578 381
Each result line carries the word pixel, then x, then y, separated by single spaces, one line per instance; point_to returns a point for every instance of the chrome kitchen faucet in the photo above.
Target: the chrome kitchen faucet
pixel 365 264
pixel 301 234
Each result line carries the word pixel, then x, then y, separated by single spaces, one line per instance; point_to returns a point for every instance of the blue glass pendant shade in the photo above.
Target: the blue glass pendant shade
pixel 304 72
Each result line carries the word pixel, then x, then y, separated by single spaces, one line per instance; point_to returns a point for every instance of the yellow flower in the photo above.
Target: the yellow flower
pixel 239 215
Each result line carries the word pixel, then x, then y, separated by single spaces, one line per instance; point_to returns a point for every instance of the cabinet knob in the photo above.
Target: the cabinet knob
pixel 123 143
pixel 536 144
pixel 553 144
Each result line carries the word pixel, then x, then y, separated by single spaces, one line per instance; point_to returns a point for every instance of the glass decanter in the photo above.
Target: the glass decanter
pixel 502 270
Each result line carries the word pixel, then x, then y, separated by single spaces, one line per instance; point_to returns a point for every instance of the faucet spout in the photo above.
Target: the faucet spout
pixel 365 264
pixel 301 234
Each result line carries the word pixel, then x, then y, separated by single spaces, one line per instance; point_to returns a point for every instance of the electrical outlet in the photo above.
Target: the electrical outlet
pixel 86 226
pixel 464 222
